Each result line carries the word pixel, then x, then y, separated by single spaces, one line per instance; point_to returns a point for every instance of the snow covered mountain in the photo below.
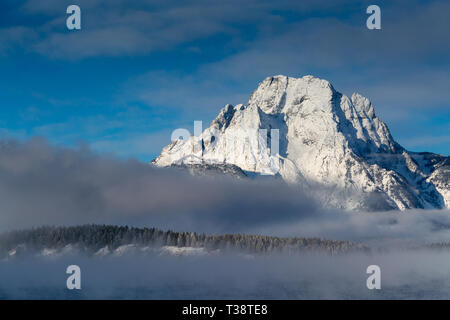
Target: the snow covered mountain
pixel 306 132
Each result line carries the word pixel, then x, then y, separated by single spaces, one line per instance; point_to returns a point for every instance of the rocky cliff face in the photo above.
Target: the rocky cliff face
pixel 306 132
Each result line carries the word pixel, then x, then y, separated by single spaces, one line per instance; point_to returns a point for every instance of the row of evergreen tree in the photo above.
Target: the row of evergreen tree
pixel 94 237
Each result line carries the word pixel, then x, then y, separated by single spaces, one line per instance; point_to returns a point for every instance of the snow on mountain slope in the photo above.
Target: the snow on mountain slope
pixel 321 137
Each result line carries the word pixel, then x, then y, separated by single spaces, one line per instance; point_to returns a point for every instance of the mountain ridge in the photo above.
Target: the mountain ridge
pixel 308 133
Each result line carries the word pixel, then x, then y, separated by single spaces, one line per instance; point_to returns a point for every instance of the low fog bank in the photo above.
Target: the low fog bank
pixel 412 275
pixel 45 185
pixel 389 229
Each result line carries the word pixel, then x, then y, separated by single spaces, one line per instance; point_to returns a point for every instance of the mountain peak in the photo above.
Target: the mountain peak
pixel 275 93
pixel 304 131
pixel 363 105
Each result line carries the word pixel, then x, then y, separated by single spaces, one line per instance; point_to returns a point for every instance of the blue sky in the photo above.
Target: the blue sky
pixel 139 69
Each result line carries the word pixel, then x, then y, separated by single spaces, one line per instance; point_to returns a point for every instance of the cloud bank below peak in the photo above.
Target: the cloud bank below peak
pixel 44 185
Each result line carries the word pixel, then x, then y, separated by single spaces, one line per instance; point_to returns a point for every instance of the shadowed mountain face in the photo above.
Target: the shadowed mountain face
pixel 307 133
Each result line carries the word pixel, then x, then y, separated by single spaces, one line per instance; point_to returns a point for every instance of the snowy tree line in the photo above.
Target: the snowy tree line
pixel 94 237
